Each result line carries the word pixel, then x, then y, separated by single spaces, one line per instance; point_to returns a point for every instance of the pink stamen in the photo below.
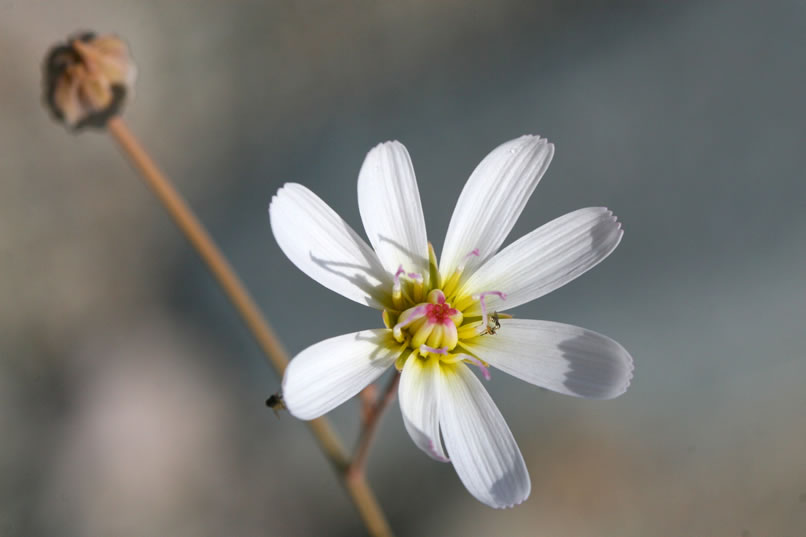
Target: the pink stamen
pixel 485 371
pixel 481 298
pixel 425 348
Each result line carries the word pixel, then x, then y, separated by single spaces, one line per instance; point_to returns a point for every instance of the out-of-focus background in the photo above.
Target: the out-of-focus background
pixel 132 398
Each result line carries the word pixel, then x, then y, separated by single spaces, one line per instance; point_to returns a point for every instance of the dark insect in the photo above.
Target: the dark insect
pixel 275 402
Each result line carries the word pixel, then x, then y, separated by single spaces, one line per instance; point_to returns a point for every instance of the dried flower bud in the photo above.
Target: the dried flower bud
pixel 86 81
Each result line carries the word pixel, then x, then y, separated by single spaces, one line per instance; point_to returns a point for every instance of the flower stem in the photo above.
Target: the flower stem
pixel 357 487
pixel 201 240
pixel 370 425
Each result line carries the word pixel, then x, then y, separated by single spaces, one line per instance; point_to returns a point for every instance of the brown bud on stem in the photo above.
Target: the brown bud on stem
pixel 86 80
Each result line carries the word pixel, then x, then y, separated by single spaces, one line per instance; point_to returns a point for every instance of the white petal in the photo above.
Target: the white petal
pixel 563 358
pixel 324 247
pixel 479 442
pixel 419 404
pixel 326 374
pixel 492 201
pixel 390 207
pixel 545 259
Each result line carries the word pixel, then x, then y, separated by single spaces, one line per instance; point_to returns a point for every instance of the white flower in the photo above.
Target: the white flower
pixel 440 319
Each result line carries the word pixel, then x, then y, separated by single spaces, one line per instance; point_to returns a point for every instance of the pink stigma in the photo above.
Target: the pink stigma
pixel 473 253
pixel 441 350
pixel 482 296
pixel 397 275
pixel 416 313
pixel 500 295
pixel 485 371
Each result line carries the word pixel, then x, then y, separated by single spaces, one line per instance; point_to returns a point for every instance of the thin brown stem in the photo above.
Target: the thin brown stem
pixel 201 240
pixel 357 487
pixel 373 416
pixel 367 398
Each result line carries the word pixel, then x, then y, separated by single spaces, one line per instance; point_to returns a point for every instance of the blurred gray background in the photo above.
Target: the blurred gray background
pixel 131 397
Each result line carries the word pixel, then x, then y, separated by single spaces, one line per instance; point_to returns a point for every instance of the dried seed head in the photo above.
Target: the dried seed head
pixel 86 80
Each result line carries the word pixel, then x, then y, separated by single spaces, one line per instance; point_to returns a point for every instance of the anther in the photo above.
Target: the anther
pixel 436 296
pixel 461 303
pixel 406 318
pixel 397 290
pixel 424 333
pixel 387 319
pixel 470 330
pixel 434 279
pixel 453 280
pixel 435 336
pixel 419 285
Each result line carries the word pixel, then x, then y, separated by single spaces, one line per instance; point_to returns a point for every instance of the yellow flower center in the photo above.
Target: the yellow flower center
pixel 426 316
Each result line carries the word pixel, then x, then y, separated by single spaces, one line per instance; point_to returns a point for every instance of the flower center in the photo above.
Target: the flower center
pixel 433 323
pixel 426 316
pixel 440 313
